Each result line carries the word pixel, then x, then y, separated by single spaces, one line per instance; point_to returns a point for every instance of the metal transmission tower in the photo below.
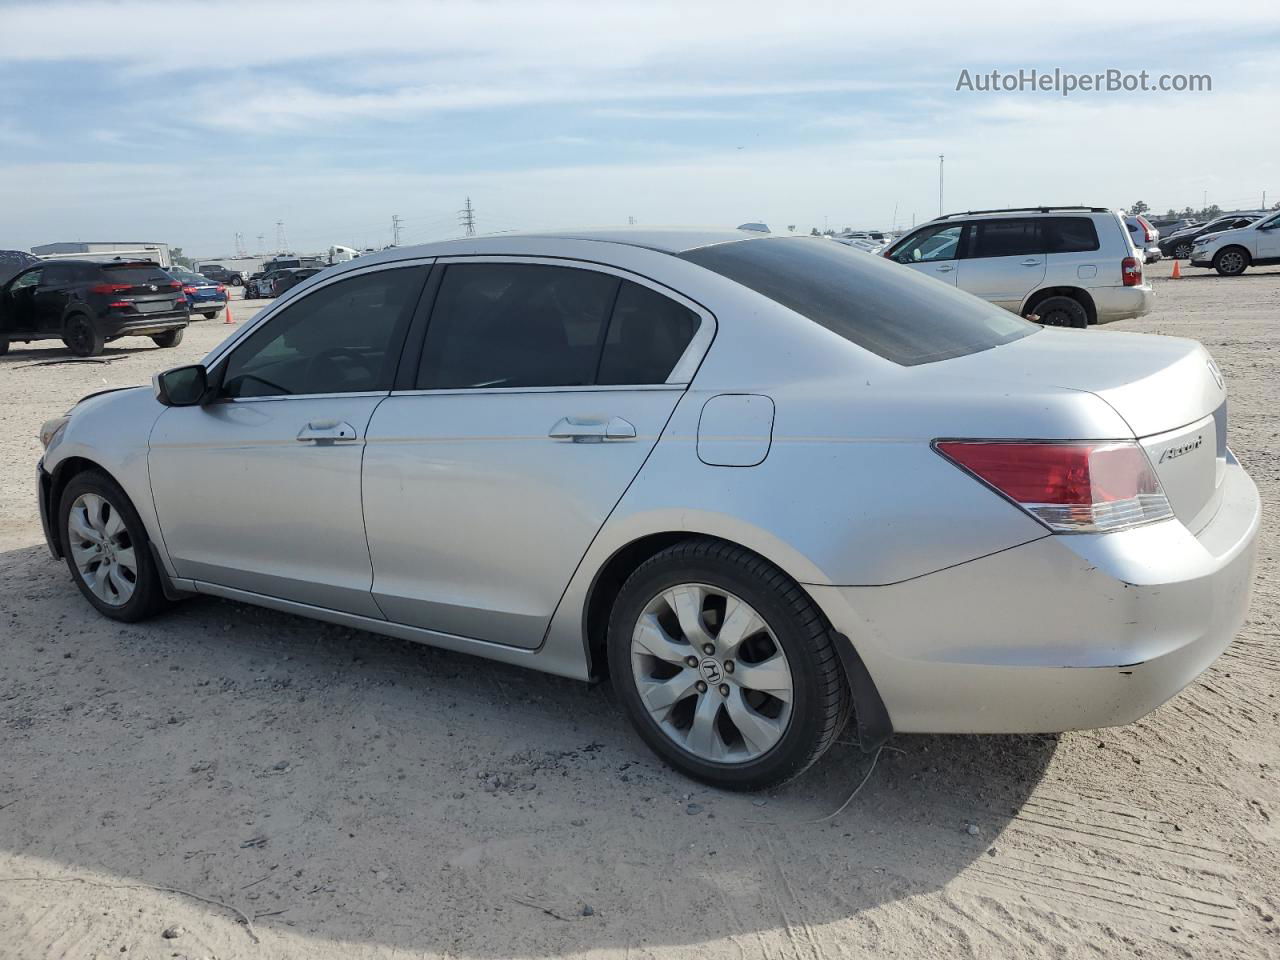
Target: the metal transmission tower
pixel 282 242
pixel 467 217
pixel 395 230
pixel 262 242
pixel 240 250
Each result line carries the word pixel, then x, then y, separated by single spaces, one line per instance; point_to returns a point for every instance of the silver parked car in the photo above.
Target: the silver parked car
pixel 1069 266
pixel 764 483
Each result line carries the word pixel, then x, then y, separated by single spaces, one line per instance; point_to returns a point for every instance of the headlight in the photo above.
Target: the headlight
pixel 50 429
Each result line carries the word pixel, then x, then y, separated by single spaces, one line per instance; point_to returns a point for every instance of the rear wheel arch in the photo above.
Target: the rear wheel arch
pixel 869 713
pixel 1077 294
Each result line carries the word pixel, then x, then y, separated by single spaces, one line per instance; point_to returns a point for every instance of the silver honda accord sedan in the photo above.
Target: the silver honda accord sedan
pixel 765 484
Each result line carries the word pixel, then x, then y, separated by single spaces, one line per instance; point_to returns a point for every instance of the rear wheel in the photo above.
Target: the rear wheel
pixel 106 548
pixel 1062 312
pixel 81 336
pixel 1231 262
pixel 725 667
pixel 170 338
pixel 1182 251
pixel 210 316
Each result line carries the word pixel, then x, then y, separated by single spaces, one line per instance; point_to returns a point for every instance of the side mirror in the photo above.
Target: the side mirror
pixel 182 386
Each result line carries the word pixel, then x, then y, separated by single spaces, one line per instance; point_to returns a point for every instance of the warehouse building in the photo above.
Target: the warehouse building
pixel 104 250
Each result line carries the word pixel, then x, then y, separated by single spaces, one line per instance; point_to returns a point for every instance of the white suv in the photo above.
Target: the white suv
pixel 1231 252
pixel 1068 266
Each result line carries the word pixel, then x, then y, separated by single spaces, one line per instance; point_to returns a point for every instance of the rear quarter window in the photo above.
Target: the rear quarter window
pixel 887 309
pixel 1071 235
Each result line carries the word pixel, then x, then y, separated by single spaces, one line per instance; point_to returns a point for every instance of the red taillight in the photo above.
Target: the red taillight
pixel 1131 272
pixel 176 285
pixel 1094 487
pixel 221 288
pixel 1146 229
pixel 188 289
pixel 109 288
pixel 120 303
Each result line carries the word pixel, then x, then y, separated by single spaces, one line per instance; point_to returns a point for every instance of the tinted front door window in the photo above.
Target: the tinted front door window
pixel 342 338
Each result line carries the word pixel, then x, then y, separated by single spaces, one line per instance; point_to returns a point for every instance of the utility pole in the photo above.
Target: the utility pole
pixel 262 242
pixel 467 217
pixel 395 230
pixel 940 161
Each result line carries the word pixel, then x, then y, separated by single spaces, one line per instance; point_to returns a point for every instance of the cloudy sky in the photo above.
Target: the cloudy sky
pixel 188 123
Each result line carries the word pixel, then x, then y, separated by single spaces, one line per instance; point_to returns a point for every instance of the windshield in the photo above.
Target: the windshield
pixel 1272 221
pixel 889 310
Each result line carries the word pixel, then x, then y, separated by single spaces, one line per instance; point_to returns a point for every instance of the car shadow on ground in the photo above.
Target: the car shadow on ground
pixel 347 788
pixel 48 354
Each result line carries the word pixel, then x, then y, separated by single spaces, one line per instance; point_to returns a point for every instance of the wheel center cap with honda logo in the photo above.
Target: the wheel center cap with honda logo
pixel 711 670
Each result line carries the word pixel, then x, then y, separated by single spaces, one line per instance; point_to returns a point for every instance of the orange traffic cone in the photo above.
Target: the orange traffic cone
pixel 1177 272
pixel 228 320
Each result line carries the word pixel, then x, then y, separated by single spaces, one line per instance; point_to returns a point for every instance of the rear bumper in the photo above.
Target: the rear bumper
pixel 145 326
pixel 1122 303
pixel 1065 633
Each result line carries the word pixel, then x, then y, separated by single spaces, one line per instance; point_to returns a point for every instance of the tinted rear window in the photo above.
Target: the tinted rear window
pixel 885 308
pixel 133 273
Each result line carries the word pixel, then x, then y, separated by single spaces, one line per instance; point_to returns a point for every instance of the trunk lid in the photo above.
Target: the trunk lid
pixel 1167 389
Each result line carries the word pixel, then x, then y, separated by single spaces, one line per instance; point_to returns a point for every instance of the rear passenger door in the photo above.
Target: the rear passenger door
pixel 540 389
pixel 1005 260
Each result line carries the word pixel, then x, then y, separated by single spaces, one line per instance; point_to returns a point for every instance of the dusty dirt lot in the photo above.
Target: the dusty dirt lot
pixel 354 796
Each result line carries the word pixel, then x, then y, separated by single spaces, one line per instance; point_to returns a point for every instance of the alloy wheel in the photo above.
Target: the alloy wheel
pixel 1183 251
pixel 1231 262
pixel 711 673
pixel 101 549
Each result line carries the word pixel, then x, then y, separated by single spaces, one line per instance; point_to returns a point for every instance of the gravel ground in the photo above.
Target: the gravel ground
pixel 352 796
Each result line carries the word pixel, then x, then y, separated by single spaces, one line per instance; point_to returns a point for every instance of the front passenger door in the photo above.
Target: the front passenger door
pixel 259 490
pixel 935 252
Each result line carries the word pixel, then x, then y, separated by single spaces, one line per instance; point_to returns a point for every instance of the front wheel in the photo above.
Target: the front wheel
pixel 1231 262
pixel 106 548
pixel 170 338
pixel 726 668
pixel 1182 251
pixel 82 337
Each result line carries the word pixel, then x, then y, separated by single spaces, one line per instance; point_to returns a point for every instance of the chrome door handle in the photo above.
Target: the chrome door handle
pixel 1031 262
pixel 327 431
pixel 581 430
pixel 943 269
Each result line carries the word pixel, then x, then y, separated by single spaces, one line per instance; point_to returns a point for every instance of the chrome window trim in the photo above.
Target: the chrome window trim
pixel 302 396
pixel 579 388
pixel 290 297
pixel 681 374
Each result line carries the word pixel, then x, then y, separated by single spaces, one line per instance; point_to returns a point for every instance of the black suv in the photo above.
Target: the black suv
pixel 220 274
pixel 87 304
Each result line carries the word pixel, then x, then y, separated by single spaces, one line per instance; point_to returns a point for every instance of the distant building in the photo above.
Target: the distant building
pixel 104 250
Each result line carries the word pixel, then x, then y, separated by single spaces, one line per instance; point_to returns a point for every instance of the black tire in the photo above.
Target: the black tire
pixel 170 338
pixel 4 346
pixel 148 595
pixel 1182 251
pixel 821 697
pixel 82 336
pixel 1231 261
pixel 210 316
pixel 1062 312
